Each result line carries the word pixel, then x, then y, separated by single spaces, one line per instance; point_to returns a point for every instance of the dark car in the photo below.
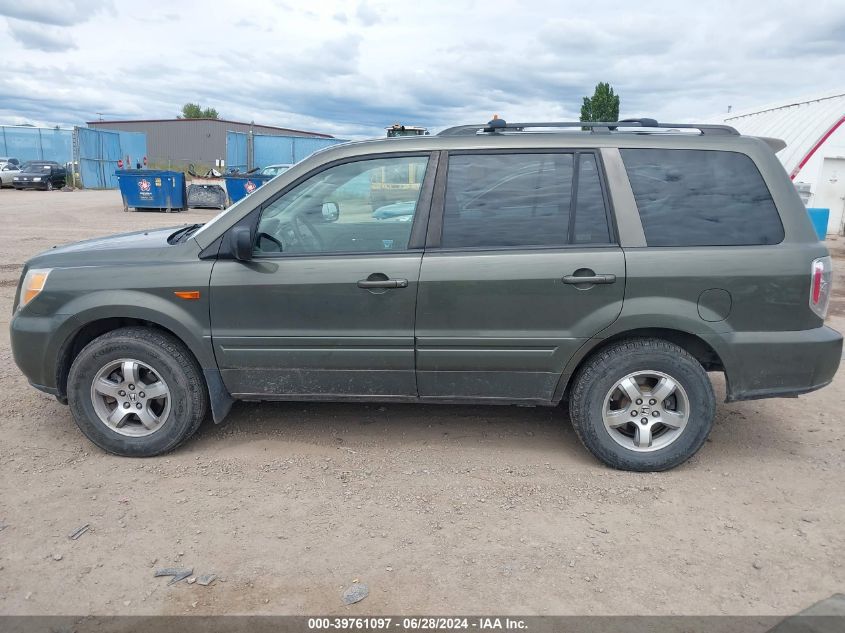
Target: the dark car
pixel 609 266
pixel 40 174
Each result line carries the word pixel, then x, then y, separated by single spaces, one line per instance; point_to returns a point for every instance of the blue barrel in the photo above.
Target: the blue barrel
pixel 151 189
pixel 240 186
pixel 820 218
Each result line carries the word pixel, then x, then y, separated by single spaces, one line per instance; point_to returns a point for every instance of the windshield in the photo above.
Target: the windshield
pixel 35 167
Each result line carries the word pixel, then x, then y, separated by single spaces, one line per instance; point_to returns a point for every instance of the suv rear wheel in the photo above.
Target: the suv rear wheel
pixel 643 405
pixel 137 392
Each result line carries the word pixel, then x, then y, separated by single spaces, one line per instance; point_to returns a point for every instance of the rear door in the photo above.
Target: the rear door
pixel 521 268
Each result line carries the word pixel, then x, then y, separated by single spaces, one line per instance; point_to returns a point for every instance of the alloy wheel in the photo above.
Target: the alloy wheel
pixel 130 398
pixel 646 411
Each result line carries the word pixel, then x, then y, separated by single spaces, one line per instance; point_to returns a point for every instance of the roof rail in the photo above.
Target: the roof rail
pixel 498 126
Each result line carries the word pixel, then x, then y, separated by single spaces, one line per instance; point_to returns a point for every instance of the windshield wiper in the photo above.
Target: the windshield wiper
pixel 182 234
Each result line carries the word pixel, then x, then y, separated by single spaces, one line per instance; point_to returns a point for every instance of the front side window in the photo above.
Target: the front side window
pixel 520 199
pixel 701 198
pixel 359 207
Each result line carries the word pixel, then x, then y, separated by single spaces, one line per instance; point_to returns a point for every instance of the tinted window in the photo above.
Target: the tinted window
pixel 364 206
pixel 507 200
pixel 701 198
pixel 499 200
pixel 590 216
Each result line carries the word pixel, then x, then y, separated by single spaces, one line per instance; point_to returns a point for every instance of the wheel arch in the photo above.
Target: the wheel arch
pixel 694 344
pixel 83 335
pixel 99 323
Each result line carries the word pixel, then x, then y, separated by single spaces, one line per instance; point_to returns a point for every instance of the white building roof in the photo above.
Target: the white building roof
pixel 804 124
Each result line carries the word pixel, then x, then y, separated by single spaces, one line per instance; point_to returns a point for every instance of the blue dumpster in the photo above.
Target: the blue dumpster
pixel 819 218
pixel 240 186
pixel 151 189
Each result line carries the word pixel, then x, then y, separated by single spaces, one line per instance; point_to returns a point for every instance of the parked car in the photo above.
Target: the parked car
pixel 40 174
pixel 7 173
pixel 610 268
pixel 274 170
pixel 396 212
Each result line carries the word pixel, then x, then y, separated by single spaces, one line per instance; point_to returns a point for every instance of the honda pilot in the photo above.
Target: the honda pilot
pixel 608 266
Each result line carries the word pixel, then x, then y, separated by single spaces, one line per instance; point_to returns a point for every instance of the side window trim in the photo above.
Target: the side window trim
pixel 419 228
pixel 622 204
pixel 612 228
pixel 438 202
pixel 435 223
pixel 421 214
pixel 573 197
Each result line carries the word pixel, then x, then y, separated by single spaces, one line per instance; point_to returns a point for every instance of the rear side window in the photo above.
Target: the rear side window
pixel 701 198
pixel 512 200
pixel 590 216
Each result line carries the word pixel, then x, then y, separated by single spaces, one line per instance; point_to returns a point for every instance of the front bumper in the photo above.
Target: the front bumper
pixel 29 184
pixel 781 364
pixel 36 341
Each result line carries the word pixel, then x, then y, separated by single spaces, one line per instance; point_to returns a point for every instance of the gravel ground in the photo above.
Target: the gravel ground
pixel 438 509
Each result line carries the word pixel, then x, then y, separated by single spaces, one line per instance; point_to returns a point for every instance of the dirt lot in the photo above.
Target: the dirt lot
pixel 439 509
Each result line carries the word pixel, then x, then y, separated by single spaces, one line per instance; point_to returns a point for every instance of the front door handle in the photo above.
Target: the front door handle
pixel 383 283
pixel 593 279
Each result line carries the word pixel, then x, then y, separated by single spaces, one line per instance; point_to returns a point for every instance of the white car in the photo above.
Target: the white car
pixel 274 170
pixel 7 173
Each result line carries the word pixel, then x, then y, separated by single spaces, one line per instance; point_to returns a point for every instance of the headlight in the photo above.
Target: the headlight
pixel 33 284
pixel 37 179
pixel 16 178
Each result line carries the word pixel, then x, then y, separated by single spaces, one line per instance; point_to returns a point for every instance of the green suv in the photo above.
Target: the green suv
pixel 608 265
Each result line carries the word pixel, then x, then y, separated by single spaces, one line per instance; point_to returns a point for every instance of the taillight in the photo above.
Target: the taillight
pixel 820 286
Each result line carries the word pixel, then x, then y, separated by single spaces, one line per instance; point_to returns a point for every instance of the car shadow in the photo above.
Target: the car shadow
pixel 395 425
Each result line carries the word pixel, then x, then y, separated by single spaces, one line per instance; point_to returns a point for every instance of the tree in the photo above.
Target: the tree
pixel 602 106
pixel 196 111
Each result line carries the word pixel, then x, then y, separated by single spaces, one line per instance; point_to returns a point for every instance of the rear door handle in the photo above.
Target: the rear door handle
pixel 383 283
pixel 593 279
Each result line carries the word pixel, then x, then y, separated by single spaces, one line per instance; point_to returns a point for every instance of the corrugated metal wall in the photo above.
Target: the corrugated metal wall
pixel 270 150
pixel 99 151
pixel 175 144
pixel 36 143
pixel 237 150
pixel 179 142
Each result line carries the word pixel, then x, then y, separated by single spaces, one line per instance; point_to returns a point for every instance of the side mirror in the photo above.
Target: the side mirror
pixel 331 212
pixel 242 242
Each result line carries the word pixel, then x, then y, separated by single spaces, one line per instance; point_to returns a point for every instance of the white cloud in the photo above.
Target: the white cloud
pixel 56 12
pixel 40 37
pixel 351 68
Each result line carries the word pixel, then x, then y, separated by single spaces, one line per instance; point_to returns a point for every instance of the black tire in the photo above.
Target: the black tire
pixel 49 185
pixel 170 359
pixel 600 373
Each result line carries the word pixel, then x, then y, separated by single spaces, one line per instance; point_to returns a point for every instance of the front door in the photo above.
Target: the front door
pixel 326 307
pixel 521 270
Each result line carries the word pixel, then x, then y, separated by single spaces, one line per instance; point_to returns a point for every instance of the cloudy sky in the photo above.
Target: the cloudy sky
pixel 352 67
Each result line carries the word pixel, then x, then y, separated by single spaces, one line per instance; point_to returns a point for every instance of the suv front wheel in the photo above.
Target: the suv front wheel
pixel 643 405
pixel 137 392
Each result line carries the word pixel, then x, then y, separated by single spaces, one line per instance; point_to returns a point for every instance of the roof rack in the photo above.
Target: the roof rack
pixel 498 126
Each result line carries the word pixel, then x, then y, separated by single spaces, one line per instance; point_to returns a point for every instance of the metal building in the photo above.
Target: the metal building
pixel 173 143
pixel 814 157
